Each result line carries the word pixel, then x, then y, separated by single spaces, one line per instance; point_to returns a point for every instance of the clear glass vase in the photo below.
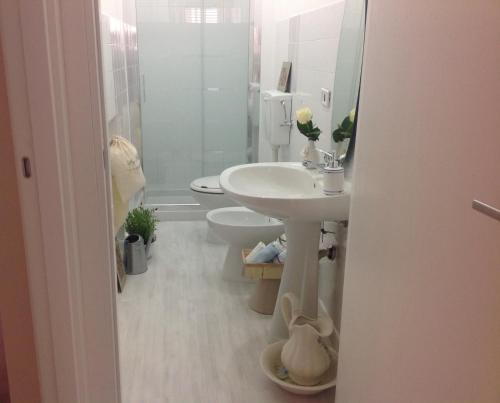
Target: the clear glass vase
pixel 310 155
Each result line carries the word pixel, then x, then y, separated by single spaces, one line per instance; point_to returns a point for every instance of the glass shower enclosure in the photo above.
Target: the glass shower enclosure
pixel 195 60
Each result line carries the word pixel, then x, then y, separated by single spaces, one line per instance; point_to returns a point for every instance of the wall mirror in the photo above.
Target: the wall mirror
pixel 347 78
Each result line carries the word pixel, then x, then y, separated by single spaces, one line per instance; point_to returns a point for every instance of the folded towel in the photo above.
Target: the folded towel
pixel 267 254
pixel 255 250
pixel 280 258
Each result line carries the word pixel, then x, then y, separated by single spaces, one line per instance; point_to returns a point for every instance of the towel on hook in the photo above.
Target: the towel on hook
pixel 127 175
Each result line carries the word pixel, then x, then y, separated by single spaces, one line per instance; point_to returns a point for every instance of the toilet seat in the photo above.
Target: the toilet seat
pixel 207 184
pixel 209 194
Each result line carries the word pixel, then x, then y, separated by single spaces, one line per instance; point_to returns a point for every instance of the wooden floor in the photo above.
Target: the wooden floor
pixel 187 336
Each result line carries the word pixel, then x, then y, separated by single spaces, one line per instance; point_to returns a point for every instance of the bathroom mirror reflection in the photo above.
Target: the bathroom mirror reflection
pixel 347 79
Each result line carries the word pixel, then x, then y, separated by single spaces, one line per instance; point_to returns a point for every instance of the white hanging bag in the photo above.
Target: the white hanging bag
pixel 126 167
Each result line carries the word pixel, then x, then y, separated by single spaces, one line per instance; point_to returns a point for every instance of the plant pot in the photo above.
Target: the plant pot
pixel 135 255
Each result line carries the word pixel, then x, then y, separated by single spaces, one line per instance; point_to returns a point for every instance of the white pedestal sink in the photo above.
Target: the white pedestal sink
pixel 294 194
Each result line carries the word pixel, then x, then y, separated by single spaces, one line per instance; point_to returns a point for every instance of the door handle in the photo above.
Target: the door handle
pixel 486 209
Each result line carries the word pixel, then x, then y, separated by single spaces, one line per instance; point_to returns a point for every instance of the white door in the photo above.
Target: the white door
pixel 53 87
pixel 421 312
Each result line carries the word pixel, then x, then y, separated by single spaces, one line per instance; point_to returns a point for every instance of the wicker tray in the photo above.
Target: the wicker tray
pixel 261 271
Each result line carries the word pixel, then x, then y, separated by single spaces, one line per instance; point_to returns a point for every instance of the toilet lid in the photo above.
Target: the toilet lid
pixel 207 184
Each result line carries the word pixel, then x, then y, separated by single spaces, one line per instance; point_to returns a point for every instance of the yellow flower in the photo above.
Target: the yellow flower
pixel 304 115
pixel 352 115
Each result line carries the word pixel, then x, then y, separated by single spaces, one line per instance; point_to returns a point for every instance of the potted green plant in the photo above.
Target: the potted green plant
pixel 142 221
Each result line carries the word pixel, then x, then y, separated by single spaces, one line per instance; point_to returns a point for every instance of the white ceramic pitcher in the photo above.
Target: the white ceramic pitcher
pixel 303 355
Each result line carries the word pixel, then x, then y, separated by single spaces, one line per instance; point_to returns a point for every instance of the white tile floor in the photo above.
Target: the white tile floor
pixel 187 336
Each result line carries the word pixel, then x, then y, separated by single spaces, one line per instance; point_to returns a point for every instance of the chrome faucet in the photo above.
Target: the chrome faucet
pixel 330 159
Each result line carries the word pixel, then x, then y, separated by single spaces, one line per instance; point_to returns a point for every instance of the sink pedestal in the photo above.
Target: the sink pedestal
pixel 300 274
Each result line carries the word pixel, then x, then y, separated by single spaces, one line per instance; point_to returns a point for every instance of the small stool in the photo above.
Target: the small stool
pixel 268 276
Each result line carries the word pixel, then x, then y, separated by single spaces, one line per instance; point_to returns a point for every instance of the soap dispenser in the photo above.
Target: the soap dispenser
pixel 333 177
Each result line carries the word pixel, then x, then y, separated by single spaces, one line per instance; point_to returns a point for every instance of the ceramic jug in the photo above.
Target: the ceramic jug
pixel 303 355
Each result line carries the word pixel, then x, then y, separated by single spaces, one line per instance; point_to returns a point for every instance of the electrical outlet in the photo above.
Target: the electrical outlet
pixel 326 95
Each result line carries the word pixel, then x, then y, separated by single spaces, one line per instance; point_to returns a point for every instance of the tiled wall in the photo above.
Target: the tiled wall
pixel 310 41
pixel 121 69
pixel 120 63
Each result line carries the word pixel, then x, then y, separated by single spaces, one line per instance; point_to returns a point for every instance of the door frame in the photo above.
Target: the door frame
pixel 54 86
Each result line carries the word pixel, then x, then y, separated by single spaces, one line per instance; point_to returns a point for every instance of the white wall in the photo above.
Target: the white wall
pixel 120 65
pixel 290 8
pixel 421 311
pixel 308 36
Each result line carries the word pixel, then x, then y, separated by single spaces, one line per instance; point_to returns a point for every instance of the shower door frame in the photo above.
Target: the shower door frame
pixel 192 211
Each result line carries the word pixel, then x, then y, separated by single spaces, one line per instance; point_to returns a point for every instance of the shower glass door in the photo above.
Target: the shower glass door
pixel 193 57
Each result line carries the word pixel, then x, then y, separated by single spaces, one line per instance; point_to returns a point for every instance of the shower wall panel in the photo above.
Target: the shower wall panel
pixel 225 95
pixel 193 58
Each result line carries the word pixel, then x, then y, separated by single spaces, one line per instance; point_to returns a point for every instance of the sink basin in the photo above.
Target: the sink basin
pixel 288 191
pixel 284 190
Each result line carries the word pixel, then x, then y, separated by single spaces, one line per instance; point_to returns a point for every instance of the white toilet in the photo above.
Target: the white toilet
pixel 241 228
pixel 209 194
